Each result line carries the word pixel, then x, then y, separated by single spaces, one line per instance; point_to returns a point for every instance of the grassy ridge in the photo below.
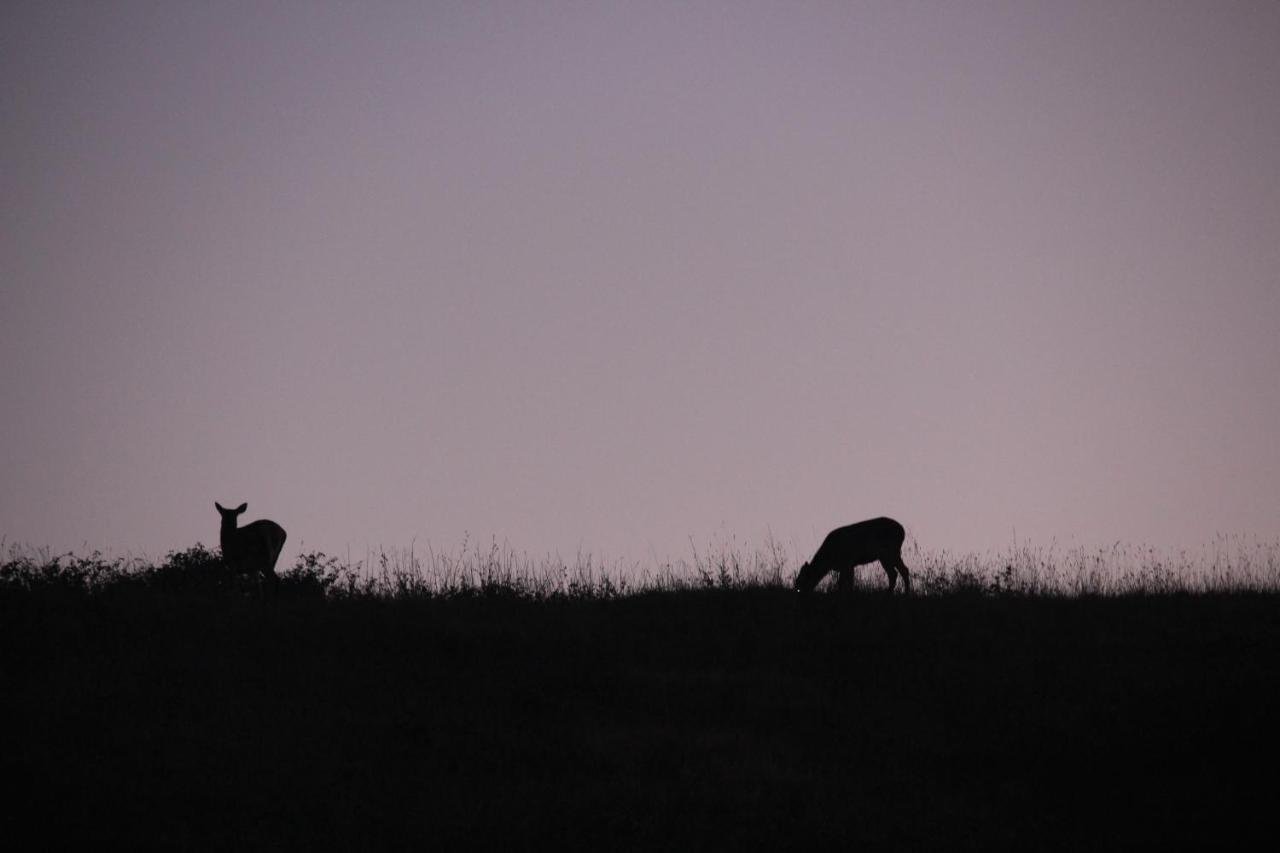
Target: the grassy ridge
pixel 741 716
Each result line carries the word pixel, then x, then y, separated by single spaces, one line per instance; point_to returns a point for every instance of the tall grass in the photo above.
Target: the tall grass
pixel 1226 565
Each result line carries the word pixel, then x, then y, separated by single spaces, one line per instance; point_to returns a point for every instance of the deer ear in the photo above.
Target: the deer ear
pixel 241 508
pixel 219 506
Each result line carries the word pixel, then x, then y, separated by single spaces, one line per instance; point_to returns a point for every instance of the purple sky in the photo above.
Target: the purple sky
pixel 608 276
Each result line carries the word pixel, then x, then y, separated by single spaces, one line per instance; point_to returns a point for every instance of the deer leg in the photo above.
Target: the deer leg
pixel 888 565
pixel 845 582
pixel 906 576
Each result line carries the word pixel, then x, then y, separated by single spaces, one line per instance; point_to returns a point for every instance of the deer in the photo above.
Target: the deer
pixel 846 548
pixel 252 549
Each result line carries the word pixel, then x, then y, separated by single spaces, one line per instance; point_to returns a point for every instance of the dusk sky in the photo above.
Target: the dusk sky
pixel 612 277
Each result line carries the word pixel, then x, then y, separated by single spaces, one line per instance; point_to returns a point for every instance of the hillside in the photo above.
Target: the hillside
pixel 748 717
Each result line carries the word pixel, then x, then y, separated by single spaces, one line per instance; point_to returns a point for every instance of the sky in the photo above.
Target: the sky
pixel 625 278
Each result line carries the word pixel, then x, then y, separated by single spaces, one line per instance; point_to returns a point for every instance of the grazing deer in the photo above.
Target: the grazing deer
pixel 848 547
pixel 252 549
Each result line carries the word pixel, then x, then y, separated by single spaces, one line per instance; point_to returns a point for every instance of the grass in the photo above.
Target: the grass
pixel 1227 565
pixel 484 699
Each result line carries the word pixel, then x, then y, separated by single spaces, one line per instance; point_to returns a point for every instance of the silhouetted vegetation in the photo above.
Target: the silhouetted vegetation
pixel 486 699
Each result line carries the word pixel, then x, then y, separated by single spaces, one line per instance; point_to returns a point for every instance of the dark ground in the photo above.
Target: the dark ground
pixel 682 720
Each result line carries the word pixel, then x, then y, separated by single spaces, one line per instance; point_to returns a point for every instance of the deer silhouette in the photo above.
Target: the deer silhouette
pixel 846 548
pixel 252 549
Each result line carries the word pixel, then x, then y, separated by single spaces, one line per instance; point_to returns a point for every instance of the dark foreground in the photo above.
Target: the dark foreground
pixel 685 720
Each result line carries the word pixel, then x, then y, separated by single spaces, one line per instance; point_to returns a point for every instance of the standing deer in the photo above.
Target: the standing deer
pixel 252 549
pixel 845 548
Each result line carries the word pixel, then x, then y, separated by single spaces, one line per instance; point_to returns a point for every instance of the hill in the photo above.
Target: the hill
pixel 745 718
